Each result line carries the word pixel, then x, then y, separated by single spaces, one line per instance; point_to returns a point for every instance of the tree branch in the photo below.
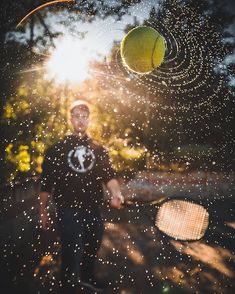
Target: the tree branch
pixel 46 28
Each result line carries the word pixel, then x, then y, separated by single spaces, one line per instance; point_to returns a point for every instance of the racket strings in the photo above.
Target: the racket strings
pixel 182 219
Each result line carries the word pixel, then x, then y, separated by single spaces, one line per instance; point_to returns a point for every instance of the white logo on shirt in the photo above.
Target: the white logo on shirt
pixel 81 159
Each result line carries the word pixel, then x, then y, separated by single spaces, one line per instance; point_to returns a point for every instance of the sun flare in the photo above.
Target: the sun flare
pixel 70 60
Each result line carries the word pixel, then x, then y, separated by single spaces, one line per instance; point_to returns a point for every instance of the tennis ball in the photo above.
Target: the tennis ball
pixel 142 49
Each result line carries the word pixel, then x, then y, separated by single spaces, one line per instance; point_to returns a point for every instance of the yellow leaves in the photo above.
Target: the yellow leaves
pixel 39 161
pixel 125 157
pixel 8 112
pixel 26 157
pixel 15 108
pixel 22 91
pixel 21 158
pixel 8 148
pixel 9 153
pixel 131 153
pixel 38 146
pixel 23 106
pixel 17 105
pixel 113 153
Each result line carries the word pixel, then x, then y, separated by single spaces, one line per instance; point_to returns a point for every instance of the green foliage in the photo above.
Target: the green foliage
pixel 136 123
pixel 109 127
pixel 127 158
pixel 196 157
pixel 34 121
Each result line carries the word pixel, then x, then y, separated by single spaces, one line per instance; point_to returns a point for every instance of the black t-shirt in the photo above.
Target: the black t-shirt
pixel 74 169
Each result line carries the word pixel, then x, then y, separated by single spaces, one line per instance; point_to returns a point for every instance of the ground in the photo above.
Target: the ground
pixel 135 258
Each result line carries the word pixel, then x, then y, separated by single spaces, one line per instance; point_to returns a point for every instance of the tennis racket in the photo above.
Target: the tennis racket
pixel 179 218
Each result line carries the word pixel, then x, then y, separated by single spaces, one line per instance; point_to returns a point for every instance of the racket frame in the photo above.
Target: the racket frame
pixel 159 202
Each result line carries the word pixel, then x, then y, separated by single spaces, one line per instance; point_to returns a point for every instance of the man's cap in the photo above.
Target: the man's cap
pixel 81 104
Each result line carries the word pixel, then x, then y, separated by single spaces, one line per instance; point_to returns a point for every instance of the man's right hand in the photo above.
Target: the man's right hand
pixel 117 201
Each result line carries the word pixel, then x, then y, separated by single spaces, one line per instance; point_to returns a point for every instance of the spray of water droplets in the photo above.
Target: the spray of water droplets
pixel 187 74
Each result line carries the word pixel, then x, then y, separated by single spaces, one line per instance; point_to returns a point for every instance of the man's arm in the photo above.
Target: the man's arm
pixel 43 209
pixel 116 195
pixel 47 182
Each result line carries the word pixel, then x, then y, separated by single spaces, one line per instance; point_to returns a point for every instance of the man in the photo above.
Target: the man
pixel 74 169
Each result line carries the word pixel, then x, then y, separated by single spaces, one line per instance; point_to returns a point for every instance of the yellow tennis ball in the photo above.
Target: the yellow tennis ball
pixel 143 49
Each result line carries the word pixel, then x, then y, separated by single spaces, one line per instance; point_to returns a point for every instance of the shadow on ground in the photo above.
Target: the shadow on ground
pixel 135 258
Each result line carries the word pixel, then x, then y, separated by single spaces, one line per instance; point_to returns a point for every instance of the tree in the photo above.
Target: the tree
pixel 187 102
pixel 15 56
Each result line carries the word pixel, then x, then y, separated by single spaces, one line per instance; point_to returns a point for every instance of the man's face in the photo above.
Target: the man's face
pixel 79 120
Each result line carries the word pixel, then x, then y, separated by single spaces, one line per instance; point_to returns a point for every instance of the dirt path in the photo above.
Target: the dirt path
pixel 134 258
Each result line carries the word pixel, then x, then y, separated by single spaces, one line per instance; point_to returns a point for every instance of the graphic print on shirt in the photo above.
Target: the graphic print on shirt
pixel 81 159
